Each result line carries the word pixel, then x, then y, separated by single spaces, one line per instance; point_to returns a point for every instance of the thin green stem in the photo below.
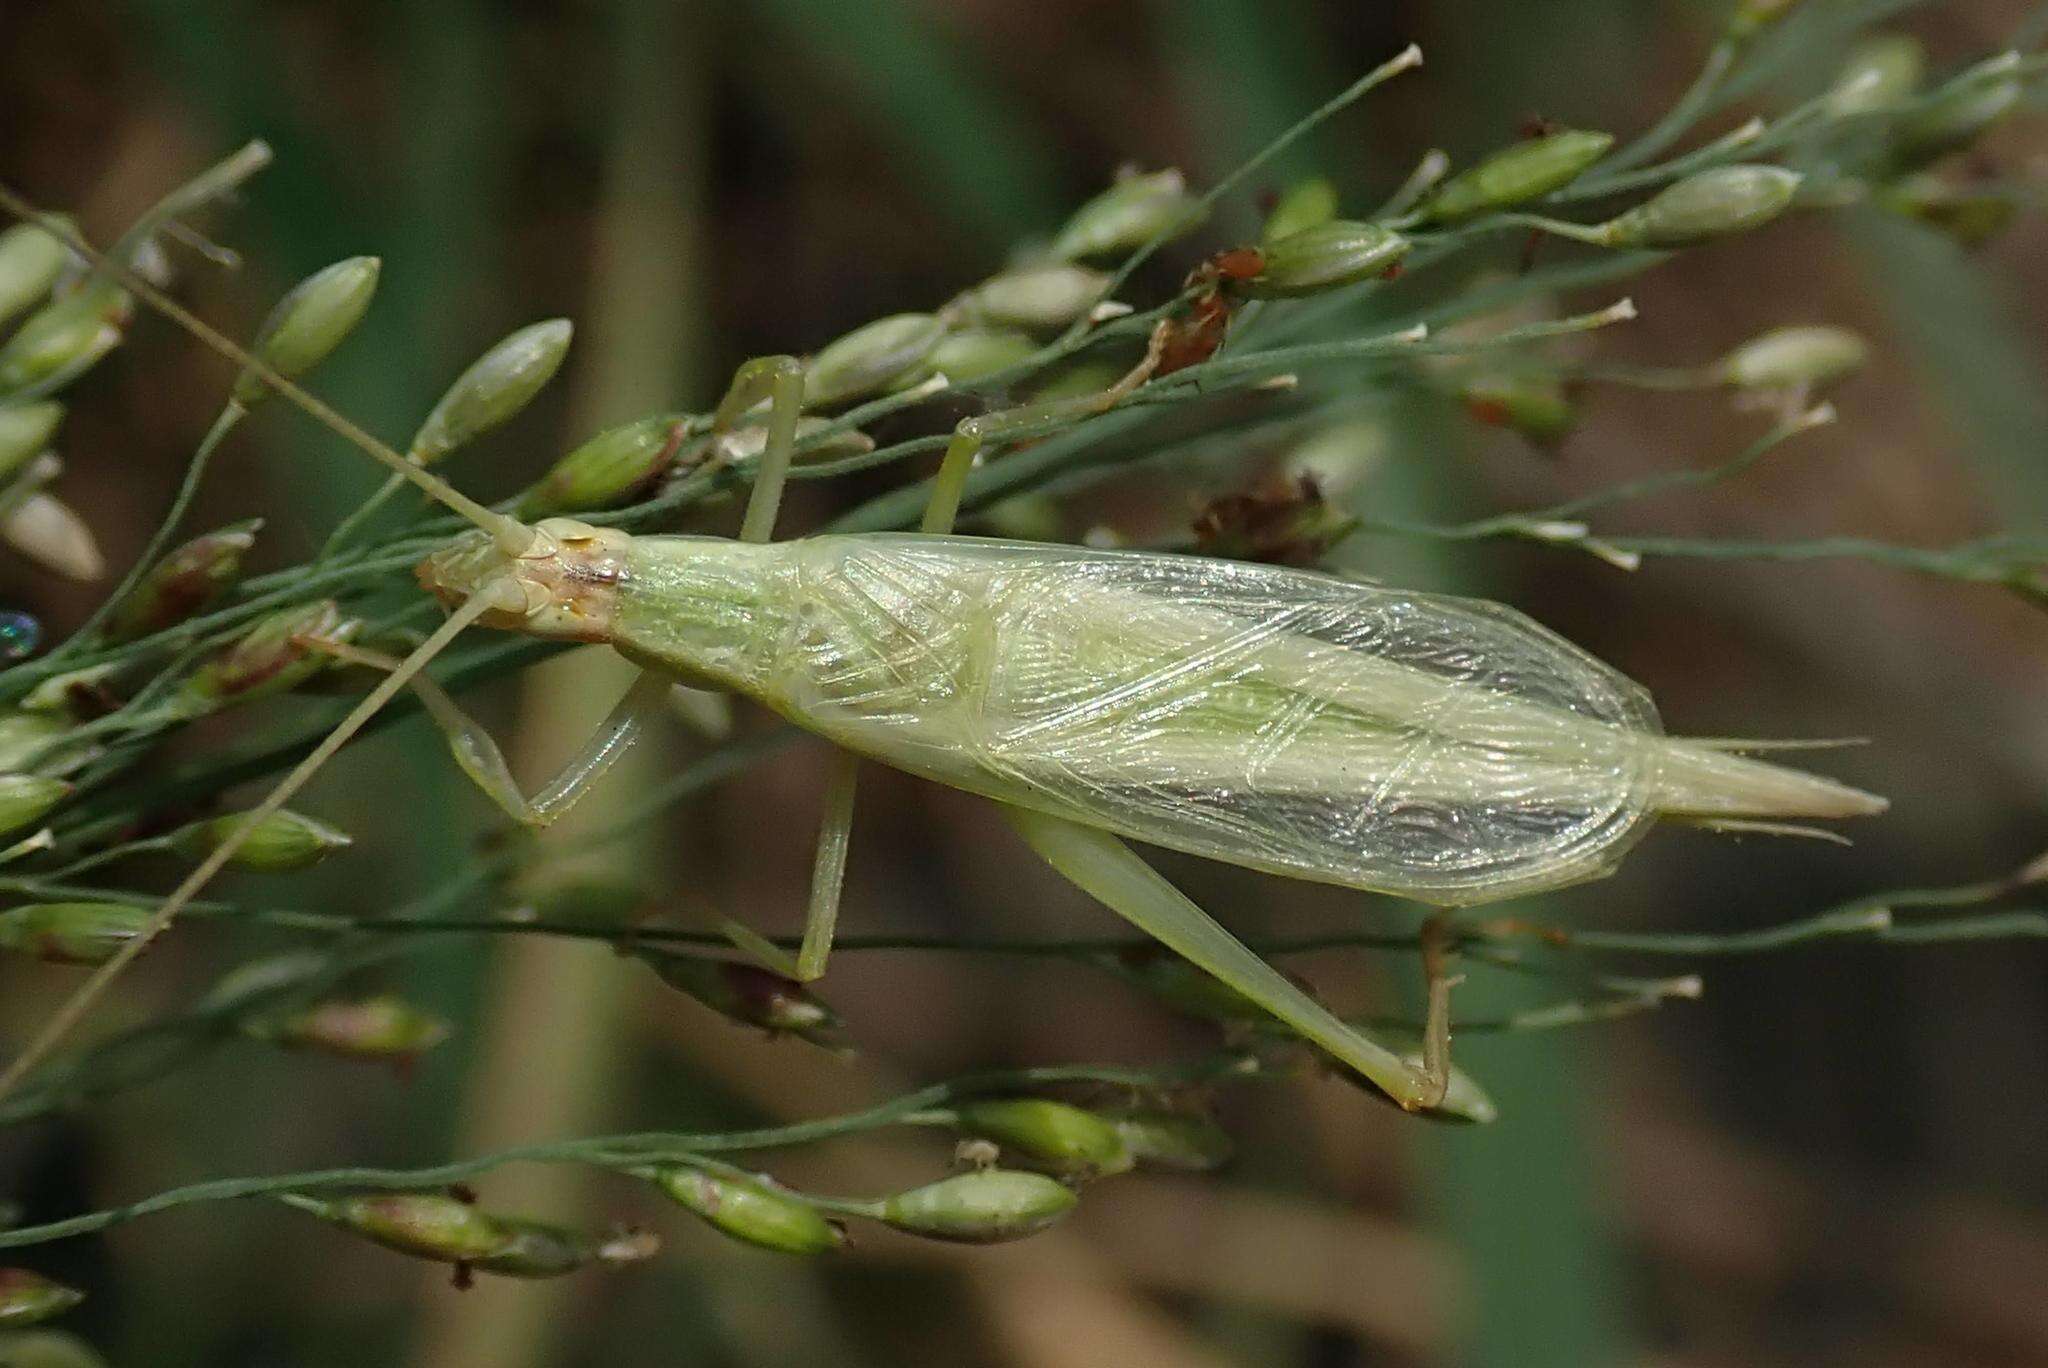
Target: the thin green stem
pixel 1679 119
pixel 1407 59
pixel 345 531
pixel 625 1152
pixel 224 423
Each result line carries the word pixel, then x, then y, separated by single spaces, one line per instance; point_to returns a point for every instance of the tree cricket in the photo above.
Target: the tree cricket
pixel 1446 750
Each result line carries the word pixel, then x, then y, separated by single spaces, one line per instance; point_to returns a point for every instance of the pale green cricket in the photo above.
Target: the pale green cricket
pixel 1446 750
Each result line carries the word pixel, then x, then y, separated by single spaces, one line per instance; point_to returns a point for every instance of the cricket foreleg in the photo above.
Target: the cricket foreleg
pixel 478 754
pixel 779 380
pixel 1103 867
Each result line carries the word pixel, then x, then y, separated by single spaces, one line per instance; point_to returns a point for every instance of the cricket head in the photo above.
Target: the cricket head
pixel 563 584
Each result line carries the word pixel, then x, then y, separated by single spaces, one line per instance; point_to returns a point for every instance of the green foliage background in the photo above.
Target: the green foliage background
pixel 1833 1159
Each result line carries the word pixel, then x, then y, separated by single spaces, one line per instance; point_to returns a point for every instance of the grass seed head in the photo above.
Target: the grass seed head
pixel 493 390
pixel 1517 174
pixel 872 358
pixel 28 1298
pixel 987 1206
pixel 71 932
pixel 1708 204
pixel 31 260
pixel 1064 1139
pixel 311 321
pixel 752 1211
pixel 25 433
pixel 187 581
pixel 1123 218
pixel 24 798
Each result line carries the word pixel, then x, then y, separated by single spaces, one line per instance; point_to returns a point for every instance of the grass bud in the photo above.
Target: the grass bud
pixel 1534 405
pixel 28 1298
pixel 426 1225
pixel 25 432
pixel 1123 218
pixel 750 995
pixel 1324 257
pixel 872 358
pixel 754 1212
pixel 311 321
pixel 1882 70
pixel 1969 216
pixel 184 583
pixel 270 658
pixel 984 1207
pixel 538 1249
pixel 63 339
pixel 90 691
pixel 1303 205
pixel 1751 17
pixel 71 932
pixel 1025 517
pixel 746 444
pixel 1952 120
pixel 1063 1139
pixel 25 734
pixel 1173 1141
pixel 1514 175
pixel 1708 204
pixel 614 467
pixel 24 798
pixel 968 354
pixel 47 1349
pixel 49 531
pixel 31 260
pixel 376 1029
pixel 249 985
pixel 281 842
pixel 493 390
pixel 1051 295
pixel 1793 358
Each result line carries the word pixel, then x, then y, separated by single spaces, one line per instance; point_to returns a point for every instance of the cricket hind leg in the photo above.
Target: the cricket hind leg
pixel 480 758
pixel 828 867
pixel 1102 866
pixel 1438 939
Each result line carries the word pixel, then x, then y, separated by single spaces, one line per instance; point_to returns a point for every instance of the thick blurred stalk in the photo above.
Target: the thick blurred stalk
pixel 1982 360
pixel 552 1047
pixel 1521 1198
pixel 981 162
pixel 1246 70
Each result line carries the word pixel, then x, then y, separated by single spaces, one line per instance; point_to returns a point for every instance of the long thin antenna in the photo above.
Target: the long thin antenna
pixel 75 1007
pixel 512 535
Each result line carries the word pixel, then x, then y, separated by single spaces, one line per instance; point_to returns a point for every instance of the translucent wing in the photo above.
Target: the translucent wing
pixel 1446 749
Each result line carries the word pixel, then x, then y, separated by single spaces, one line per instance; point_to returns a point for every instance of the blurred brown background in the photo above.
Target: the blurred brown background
pixel 1835 1158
